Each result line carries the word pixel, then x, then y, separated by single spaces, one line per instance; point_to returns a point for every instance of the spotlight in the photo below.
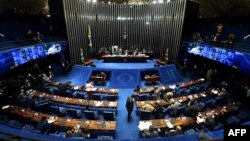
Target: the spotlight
pixel 88 0
pixel 168 1
pixel 160 1
pixel 109 2
pixel 94 1
pixel 154 2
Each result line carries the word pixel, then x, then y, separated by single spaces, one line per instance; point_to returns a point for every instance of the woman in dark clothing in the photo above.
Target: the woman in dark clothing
pixel 129 106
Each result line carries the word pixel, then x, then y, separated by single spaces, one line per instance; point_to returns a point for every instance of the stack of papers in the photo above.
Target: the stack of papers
pixel 214 91
pixel 76 87
pixel 172 86
pixel 6 107
pixel 110 104
pixel 200 119
pixel 98 103
pixel 169 124
pixel 144 125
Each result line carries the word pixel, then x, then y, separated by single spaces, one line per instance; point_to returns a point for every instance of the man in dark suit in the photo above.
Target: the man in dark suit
pixel 150 133
pixel 129 106
pixel 44 125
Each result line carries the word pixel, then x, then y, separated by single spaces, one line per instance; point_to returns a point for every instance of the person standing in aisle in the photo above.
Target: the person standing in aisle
pixel 130 106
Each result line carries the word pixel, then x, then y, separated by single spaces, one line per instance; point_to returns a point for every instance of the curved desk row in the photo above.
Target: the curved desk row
pixel 93 90
pixel 93 125
pixel 185 121
pixel 167 88
pixel 74 101
pixel 181 99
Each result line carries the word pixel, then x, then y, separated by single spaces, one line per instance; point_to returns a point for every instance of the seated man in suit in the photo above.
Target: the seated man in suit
pixel 177 131
pixel 150 133
pixel 174 107
pixel 65 86
pixel 89 85
pixel 103 75
pixel 192 111
pixel 43 125
pixel 158 111
pixel 168 96
pixel 136 52
pixel 77 132
pixel 148 107
pixel 191 101
pixel 155 93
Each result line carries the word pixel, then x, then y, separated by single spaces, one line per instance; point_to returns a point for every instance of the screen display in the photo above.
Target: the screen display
pixel 229 57
pixel 52 48
pixel 25 55
pixel 6 62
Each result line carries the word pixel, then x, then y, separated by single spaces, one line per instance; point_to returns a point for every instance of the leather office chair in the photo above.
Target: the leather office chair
pixel 109 115
pixel 145 114
pixel 96 97
pixel 142 97
pixel 76 113
pixel 92 115
pixel 112 98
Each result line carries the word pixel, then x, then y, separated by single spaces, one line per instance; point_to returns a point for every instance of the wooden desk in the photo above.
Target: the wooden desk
pixel 181 85
pixel 161 62
pixel 176 121
pixel 219 110
pixel 125 58
pixel 185 121
pixel 182 99
pixel 75 101
pixel 151 79
pixel 88 62
pixel 93 125
pixel 97 79
pixel 94 90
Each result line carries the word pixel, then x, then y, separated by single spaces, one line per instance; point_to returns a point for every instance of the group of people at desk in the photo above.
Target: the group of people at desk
pixel 192 107
pixel 66 87
pixel 173 126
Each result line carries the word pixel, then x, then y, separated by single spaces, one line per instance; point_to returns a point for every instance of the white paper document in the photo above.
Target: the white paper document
pixel 5 107
pixel 169 124
pixel 144 125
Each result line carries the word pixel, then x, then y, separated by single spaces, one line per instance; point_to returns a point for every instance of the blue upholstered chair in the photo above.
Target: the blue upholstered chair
pixel 62 110
pixel 186 92
pixel 180 110
pixel 28 127
pixel 54 110
pixel 92 115
pixel 145 114
pixel 109 115
pixel 96 97
pixel 112 98
pixel 76 113
pixel 15 124
pixel 142 97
